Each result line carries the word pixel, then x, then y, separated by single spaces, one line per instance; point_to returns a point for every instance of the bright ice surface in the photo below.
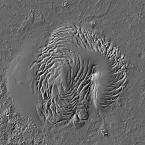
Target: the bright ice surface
pixel 18 82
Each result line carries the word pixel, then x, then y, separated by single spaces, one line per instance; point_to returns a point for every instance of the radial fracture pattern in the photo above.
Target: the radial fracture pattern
pixel 64 70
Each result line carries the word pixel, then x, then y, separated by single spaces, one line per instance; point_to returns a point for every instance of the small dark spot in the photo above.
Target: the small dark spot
pixel 5 136
pixel 58 9
pixel 141 55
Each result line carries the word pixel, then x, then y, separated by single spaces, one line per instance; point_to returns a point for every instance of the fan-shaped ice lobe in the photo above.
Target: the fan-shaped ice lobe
pixel 18 83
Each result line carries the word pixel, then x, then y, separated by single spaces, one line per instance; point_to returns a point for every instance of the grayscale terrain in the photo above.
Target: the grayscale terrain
pixel 72 72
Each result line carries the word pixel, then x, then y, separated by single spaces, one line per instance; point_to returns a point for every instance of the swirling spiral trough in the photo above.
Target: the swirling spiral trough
pixel 70 71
